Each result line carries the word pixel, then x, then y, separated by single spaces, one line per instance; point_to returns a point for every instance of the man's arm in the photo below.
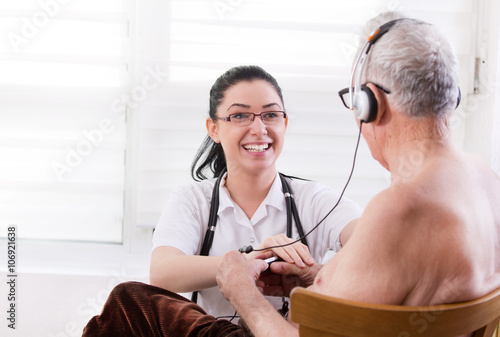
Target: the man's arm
pixel 237 278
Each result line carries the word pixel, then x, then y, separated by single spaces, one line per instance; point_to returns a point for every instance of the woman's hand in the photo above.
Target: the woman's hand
pixel 296 253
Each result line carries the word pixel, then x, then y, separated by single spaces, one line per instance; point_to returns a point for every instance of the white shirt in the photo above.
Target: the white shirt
pixel 184 221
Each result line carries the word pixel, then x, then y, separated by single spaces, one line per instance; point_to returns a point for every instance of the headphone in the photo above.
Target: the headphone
pixel 362 99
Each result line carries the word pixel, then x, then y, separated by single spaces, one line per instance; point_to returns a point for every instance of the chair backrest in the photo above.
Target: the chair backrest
pixel 321 316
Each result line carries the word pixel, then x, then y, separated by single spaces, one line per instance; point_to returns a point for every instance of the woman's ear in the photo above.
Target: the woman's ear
pixel 213 130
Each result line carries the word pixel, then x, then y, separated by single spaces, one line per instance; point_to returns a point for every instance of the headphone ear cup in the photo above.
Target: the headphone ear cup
pixel 366 105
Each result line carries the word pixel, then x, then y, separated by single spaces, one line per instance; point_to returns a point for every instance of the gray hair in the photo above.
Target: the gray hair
pixel 417 64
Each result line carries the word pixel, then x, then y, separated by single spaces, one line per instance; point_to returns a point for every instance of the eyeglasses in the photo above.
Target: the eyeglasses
pixel 247 118
pixel 345 95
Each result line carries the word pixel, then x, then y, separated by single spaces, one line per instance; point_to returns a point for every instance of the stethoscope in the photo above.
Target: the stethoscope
pixel 291 213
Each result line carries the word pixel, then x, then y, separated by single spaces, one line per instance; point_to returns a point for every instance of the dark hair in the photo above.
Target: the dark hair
pixel 215 160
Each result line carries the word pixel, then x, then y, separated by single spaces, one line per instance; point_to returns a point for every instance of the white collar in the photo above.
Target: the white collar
pixel 274 197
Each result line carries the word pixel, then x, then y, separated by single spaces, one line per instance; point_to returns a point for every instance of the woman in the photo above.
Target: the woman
pixel 246 130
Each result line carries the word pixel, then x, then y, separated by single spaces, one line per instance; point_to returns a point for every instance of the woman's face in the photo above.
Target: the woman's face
pixel 255 147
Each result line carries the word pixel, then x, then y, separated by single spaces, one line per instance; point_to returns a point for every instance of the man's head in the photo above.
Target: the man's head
pixel 404 84
pixel 416 63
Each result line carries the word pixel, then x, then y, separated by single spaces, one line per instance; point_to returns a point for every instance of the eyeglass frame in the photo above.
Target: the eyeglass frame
pixel 228 118
pixel 346 91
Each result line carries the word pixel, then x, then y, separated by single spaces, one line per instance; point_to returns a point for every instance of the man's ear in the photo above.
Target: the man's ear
pixel 212 130
pixel 382 103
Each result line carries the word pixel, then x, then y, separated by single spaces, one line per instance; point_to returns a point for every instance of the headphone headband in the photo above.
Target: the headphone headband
pixel 364 113
pixel 374 37
pixel 362 100
pixel 377 34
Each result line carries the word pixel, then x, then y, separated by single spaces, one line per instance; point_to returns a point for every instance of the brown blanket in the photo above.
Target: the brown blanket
pixel 138 309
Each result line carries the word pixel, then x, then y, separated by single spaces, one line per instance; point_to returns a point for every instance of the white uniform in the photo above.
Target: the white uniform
pixel 184 221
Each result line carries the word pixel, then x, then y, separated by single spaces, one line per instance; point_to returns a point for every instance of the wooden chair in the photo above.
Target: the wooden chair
pixel 321 316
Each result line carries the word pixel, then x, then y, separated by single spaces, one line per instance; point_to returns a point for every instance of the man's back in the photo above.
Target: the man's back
pixel 430 238
pixel 458 224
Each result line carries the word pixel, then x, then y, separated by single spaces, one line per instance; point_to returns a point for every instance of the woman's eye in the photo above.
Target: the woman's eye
pixel 270 115
pixel 239 116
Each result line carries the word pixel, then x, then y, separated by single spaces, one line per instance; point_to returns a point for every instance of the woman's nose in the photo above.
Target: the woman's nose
pixel 258 125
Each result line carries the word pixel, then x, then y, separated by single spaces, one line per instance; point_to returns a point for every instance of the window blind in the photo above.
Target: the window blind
pixel 63 66
pixel 309 48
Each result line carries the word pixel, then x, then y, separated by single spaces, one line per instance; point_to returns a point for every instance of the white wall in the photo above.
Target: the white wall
pixel 57 294
pixel 481 113
pixel 494 53
pixel 58 305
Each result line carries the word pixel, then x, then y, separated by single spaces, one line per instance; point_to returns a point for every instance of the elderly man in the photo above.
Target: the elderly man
pixel 433 236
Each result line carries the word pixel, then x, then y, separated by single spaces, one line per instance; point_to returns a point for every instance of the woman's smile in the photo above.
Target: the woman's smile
pixel 256 148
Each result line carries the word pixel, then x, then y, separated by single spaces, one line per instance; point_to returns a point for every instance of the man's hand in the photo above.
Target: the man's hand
pixel 236 274
pixel 283 277
pixel 237 278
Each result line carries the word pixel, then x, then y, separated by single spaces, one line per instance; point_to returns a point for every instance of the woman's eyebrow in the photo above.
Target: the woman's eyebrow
pixel 270 105
pixel 241 105
pixel 246 106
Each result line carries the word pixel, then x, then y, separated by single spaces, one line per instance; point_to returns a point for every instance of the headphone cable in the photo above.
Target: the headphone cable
pixel 249 249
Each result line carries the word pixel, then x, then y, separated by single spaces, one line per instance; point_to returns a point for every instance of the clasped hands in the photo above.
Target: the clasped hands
pixel 239 273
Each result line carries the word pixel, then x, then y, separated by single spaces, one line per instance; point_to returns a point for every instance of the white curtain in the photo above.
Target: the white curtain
pixel 63 64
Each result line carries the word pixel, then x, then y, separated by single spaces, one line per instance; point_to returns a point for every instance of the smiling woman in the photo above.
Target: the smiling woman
pixel 246 132
pixel 239 130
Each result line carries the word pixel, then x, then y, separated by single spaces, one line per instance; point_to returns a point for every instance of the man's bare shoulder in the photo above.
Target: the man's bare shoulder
pixel 377 254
